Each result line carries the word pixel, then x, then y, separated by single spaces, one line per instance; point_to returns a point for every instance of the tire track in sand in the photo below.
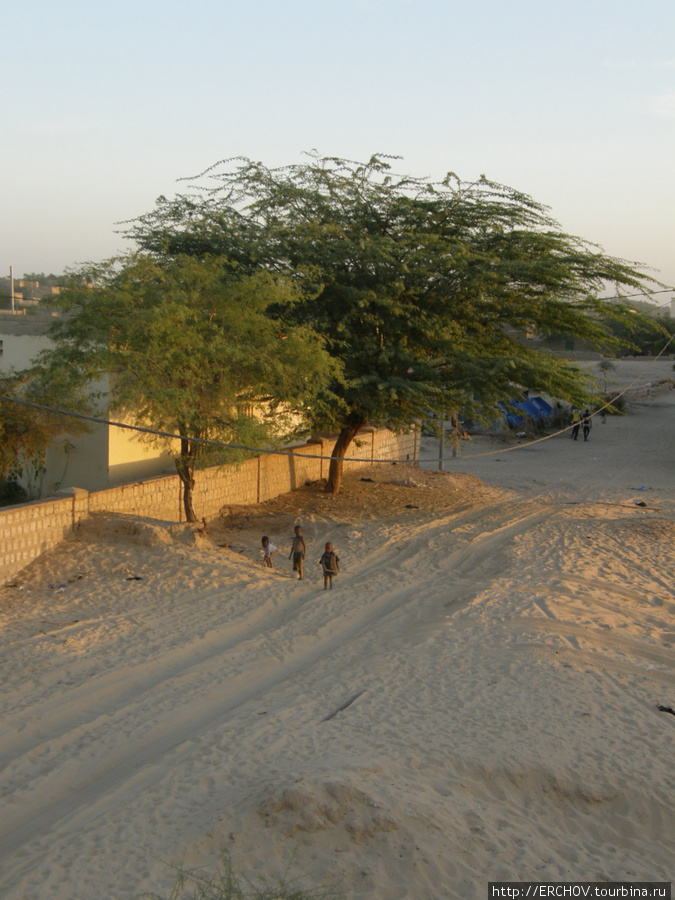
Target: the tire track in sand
pixel 137 763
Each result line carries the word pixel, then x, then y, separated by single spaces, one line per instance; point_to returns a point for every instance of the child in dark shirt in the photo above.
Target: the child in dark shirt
pixel 330 563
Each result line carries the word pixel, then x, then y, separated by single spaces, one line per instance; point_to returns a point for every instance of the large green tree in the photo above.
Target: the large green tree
pixel 421 290
pixel 190 347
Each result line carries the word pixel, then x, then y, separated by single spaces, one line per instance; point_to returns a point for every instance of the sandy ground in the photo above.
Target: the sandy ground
pixel 508 627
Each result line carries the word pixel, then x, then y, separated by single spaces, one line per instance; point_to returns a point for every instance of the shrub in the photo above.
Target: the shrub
pixel 617 404
pixel 11 492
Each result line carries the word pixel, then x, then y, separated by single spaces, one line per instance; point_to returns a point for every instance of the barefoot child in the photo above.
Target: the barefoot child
pixel 298 550
pixel 270 550
pixel 330 563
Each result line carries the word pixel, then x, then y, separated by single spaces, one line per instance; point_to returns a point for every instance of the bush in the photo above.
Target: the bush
pixel 617 404
pixel 11 492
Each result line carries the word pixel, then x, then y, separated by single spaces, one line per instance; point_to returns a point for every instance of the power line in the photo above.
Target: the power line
pixel 547 437
pixel 290 453
pixel 640 294
pixel 223 445
pixel 671 290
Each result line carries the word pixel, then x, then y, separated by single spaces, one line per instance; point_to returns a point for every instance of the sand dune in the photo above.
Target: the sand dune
pixel 504 631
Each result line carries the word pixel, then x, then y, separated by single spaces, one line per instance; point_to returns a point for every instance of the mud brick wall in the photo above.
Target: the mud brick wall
pixel 156 498
pixel 28 530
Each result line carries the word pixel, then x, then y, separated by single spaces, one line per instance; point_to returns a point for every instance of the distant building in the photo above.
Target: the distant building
pixel 27 292
pixel 666 311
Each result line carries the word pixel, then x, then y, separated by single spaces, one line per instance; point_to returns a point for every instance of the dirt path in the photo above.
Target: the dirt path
pixel 628 457
pixel 509 643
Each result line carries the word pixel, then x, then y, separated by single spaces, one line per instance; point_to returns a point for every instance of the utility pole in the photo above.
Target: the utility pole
pixel 441 445
pixel 11 288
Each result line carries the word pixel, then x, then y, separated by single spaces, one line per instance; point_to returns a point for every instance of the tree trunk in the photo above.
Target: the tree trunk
pixel 346 436
pixel 185 466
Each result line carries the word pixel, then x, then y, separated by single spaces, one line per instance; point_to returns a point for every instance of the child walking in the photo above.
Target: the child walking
pixel 330 563
pixel 298 550
pixel 270 550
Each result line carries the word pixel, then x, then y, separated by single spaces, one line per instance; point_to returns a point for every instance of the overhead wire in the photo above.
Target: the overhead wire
pixel 226 445
pixel 599 411
pixel 641 294
pixel 223 445
pixel 6 295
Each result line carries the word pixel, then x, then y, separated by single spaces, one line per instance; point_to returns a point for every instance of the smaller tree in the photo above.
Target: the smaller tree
pixel 191 348
pixel 26 432
pixel 605 366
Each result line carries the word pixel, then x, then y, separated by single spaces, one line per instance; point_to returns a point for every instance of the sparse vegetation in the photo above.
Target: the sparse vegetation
pixel 224 884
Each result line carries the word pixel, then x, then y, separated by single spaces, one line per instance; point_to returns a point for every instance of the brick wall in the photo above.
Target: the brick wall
pixel 28 530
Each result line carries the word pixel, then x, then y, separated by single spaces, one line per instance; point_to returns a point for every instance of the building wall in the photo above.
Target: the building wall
pixel 27 531
pixel 19 350
pixel 131 458
pixel 102 456
pixel 85 465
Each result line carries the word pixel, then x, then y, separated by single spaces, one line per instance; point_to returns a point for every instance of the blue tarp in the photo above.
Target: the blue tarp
pixel 545 408
pixel 534 407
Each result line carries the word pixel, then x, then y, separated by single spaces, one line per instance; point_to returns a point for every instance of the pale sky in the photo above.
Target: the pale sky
pixel 105 105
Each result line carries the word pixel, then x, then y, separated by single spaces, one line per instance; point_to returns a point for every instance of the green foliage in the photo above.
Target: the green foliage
pixel 27 432
pixel 45 279
pixel 420 289
pixel 638 332
pixel 225 885
pixel 5 295
pixel 190 347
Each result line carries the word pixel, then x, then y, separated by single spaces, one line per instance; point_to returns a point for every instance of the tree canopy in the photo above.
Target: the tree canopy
pixel 26 432
pixel 421 290
pixel 191 348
